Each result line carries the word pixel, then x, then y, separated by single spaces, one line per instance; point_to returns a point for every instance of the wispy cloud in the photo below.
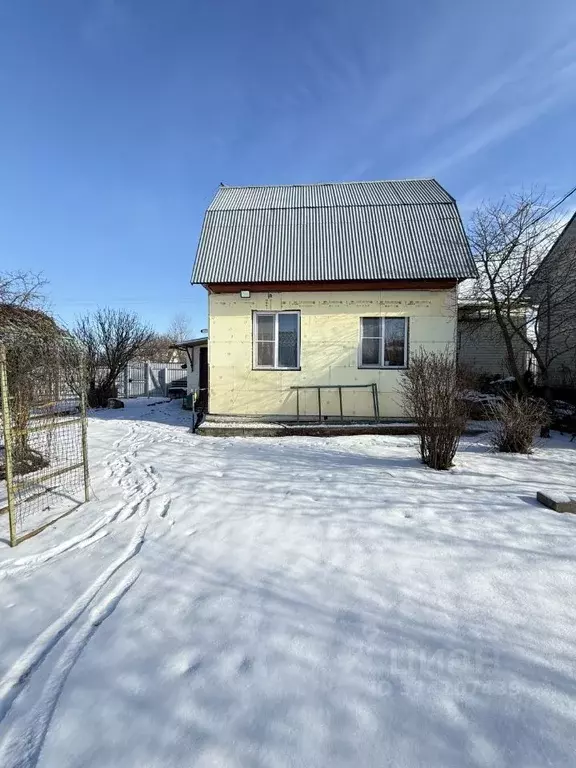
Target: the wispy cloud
pixel 507 104
pixel 447 86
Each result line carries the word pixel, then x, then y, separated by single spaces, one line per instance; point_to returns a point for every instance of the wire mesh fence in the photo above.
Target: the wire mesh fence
pixel 43 457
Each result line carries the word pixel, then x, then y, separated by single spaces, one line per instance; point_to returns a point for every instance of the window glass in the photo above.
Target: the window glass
pixel 287 341
pixel 394 341
pixel 371 327
pixel 370 351
pixel 383 341
pixel 265 327
pixel 276 343
pixel 265 353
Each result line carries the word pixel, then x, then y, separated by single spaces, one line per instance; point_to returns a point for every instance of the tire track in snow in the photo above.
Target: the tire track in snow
pixel 22 744
pixel 34 561
pixel 21 670
pixel 25 736
pixel 83 540
pixel 136 479
pixel 93 540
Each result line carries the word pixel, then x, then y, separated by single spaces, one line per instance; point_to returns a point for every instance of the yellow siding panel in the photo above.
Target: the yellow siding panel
pixel 330 332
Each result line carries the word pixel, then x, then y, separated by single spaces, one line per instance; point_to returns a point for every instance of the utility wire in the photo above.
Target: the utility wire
pixel 556 205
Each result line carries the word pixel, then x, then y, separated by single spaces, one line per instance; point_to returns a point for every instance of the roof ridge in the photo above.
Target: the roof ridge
pixel 331 205
pixel 325 183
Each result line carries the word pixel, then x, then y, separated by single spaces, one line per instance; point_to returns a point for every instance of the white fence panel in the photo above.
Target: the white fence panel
pixel 161 375
pixel 148 379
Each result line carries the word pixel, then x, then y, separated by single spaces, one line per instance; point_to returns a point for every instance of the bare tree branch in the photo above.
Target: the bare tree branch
pixel 180 328
pixel 22 289
pixel 533 300
pixel 157 349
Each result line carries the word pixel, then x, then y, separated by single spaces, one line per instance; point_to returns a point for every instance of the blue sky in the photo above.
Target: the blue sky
pixel 119 118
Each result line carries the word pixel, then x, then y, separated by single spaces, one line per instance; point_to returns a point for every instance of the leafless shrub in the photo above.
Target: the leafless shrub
pixel 432 391
pixel 479 404
pixel 517 419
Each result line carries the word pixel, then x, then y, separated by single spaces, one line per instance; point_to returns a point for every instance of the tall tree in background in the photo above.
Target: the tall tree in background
pixel 160 347
pixel 110 338
pixel 180 328
pixel 157 350
pixel 532 300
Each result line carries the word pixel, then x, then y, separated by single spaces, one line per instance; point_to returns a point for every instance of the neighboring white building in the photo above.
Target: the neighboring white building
pixel 196 363
pixel 481 347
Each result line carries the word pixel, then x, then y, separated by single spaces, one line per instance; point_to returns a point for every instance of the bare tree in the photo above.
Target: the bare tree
pixel 160 347
pixel 157 349
pixel 432 390
pixel 110 338
pixel 20 288
pixel 179 328
pixel 532 299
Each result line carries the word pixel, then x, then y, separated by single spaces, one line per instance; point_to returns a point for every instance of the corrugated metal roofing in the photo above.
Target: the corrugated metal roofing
pixel 199 342
pixel 381 230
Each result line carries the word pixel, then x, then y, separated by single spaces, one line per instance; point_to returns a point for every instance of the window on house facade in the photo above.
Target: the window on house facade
pixel 383 342
pixel 276 340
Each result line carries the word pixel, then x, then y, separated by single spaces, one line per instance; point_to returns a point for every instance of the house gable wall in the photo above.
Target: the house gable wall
pixel 330 331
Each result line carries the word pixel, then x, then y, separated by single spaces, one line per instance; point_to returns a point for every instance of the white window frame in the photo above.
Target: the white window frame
pixel 381 365
pixel 275 367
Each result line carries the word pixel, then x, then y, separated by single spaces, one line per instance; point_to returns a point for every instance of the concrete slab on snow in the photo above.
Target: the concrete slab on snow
pixel 559 502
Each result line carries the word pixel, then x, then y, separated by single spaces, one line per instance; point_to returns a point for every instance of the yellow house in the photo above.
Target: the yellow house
pixel 319 294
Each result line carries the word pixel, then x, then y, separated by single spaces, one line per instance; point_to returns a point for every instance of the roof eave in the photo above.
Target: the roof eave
pixel 190 343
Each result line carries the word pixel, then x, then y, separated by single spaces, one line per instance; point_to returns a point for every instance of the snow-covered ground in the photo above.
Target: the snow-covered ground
pixel 292 602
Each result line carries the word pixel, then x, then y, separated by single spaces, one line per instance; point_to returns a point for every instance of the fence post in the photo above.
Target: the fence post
pixel 84 432
pixel 146 379
pixel 163 379
pixel 7 428
pixel 126 382
pixel 194 393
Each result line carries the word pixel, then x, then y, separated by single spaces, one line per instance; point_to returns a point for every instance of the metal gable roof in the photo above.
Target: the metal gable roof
pixel 381 230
